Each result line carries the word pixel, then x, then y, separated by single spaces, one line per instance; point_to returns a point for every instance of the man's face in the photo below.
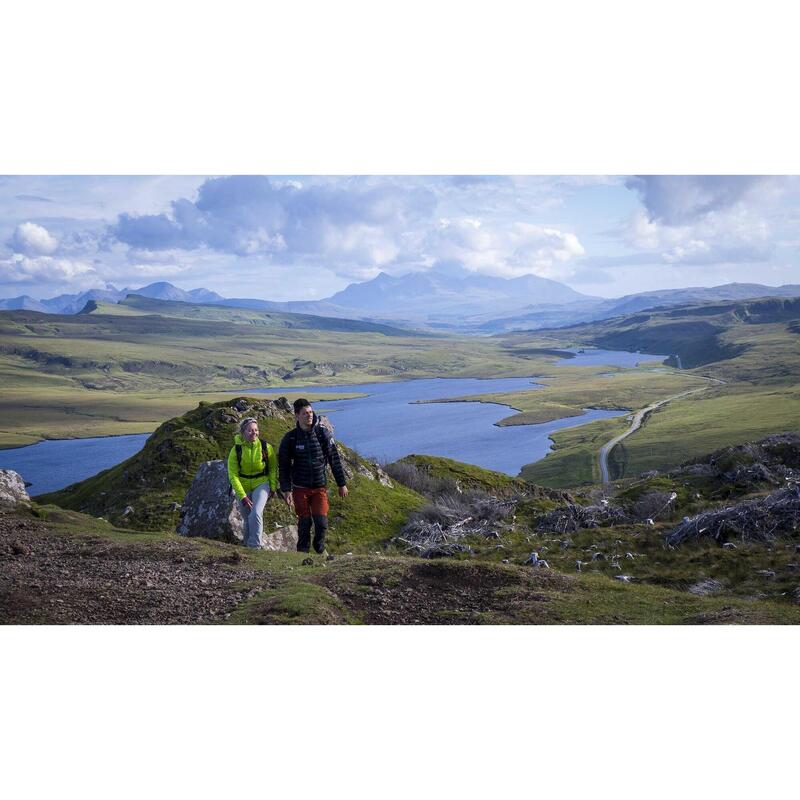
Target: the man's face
pixel 250 432
pixel 305 416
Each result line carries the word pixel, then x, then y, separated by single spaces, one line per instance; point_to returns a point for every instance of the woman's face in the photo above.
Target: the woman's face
pixel 250 432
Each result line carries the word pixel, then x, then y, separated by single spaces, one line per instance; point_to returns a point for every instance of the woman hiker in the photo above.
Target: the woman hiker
pixel 253 473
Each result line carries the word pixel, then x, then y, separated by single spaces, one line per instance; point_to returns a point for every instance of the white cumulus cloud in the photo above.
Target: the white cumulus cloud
pixel 32 240
pixel 731 235
pixel 24 269
pixel 507 251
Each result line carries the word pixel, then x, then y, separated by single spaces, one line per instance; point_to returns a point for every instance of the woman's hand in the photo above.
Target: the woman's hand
pixel 248 502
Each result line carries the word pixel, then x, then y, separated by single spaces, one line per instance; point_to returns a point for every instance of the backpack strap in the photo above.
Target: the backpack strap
pixel 323 437
pixel 264 458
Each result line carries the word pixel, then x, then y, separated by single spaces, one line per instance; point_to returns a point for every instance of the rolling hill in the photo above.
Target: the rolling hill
pixel 751 349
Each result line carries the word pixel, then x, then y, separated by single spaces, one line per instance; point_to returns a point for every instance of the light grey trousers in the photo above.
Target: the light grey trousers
pixel 254 520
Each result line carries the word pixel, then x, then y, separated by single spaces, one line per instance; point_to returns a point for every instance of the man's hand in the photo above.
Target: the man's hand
pixel 288 499
pixel 248 502
pixel 343 491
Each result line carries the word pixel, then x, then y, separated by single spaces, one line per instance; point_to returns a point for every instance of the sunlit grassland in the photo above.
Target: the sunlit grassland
pixel 770 354
pixel 574 460
pixel 95 375
pixel 676 432
pixel 103 373
pixel 761 396
pixel 135 352
pixel 29 415
pixel 692 426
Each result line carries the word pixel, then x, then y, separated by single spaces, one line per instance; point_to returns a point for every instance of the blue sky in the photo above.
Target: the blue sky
pixel 306 237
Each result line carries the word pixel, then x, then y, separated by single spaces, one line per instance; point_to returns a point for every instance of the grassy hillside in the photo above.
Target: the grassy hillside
pixel 753 346
pixel 103 373
pixel 163 578
pixel 137 305
pixel 612 568
pixel 731 339
pixel 574 459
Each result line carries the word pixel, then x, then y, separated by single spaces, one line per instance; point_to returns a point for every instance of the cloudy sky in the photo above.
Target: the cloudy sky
pixel 301 237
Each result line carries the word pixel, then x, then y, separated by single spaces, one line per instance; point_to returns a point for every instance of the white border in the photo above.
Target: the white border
pixel 425 88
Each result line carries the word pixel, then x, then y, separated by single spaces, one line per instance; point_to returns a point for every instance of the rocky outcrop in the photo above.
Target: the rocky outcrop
pixel 159 476
pixel 366 469
pixel 282 538
pixel 210 510
pixel 12 488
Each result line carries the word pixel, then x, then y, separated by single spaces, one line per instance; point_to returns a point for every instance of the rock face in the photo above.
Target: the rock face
pixel 12 488
pixel 283 538
pixel 211 510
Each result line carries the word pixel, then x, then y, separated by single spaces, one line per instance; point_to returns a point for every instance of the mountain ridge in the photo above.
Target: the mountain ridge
pixel 445 299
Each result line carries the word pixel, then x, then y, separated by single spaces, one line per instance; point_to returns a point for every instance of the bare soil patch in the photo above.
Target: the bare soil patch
pixel 439 592
pixel 56 578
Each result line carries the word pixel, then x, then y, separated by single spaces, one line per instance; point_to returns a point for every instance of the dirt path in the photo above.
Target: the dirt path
pixel 56 578
pixel 636 423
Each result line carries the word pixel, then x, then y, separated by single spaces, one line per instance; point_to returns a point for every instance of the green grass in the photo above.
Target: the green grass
pixel 588 387
pixel 574 460
pixel 597 600
pixel 692 426
pixel 297 602
pixel 679 431
pixel 369 516
pixel 145 306
pixel 53 410
pixel 349 590
pixel 467 477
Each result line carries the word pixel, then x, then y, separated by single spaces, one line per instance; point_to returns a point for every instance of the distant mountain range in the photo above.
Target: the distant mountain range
pixel 559 316
pixel 446 299
pixel 73 303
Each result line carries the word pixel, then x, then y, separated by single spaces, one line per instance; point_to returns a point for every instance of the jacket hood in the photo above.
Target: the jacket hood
pixel 238 440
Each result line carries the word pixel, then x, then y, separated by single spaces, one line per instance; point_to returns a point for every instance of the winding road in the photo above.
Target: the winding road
pixel 636 423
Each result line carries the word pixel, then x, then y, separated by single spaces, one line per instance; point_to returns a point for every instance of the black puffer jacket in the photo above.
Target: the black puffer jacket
pixel 301 458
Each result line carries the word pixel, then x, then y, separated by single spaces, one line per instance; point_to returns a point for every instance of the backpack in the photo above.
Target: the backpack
pixel 264 458
pixel 324 433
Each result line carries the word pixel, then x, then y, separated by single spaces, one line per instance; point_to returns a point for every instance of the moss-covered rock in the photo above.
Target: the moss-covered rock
pixel 145 492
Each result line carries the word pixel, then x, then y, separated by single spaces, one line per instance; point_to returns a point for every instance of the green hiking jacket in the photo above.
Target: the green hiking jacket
pixel 252 464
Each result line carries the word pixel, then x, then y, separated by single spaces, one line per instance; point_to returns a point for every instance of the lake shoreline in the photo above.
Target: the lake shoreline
pixel 384 420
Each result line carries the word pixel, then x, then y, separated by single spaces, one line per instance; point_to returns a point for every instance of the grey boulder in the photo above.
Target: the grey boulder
pixel 12 488
pixel 211 510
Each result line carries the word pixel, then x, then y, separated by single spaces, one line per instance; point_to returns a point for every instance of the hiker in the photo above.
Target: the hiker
pixel 253 473
pixel 303 456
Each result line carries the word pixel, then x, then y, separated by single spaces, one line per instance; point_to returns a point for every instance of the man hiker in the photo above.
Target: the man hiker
pixel 303 456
